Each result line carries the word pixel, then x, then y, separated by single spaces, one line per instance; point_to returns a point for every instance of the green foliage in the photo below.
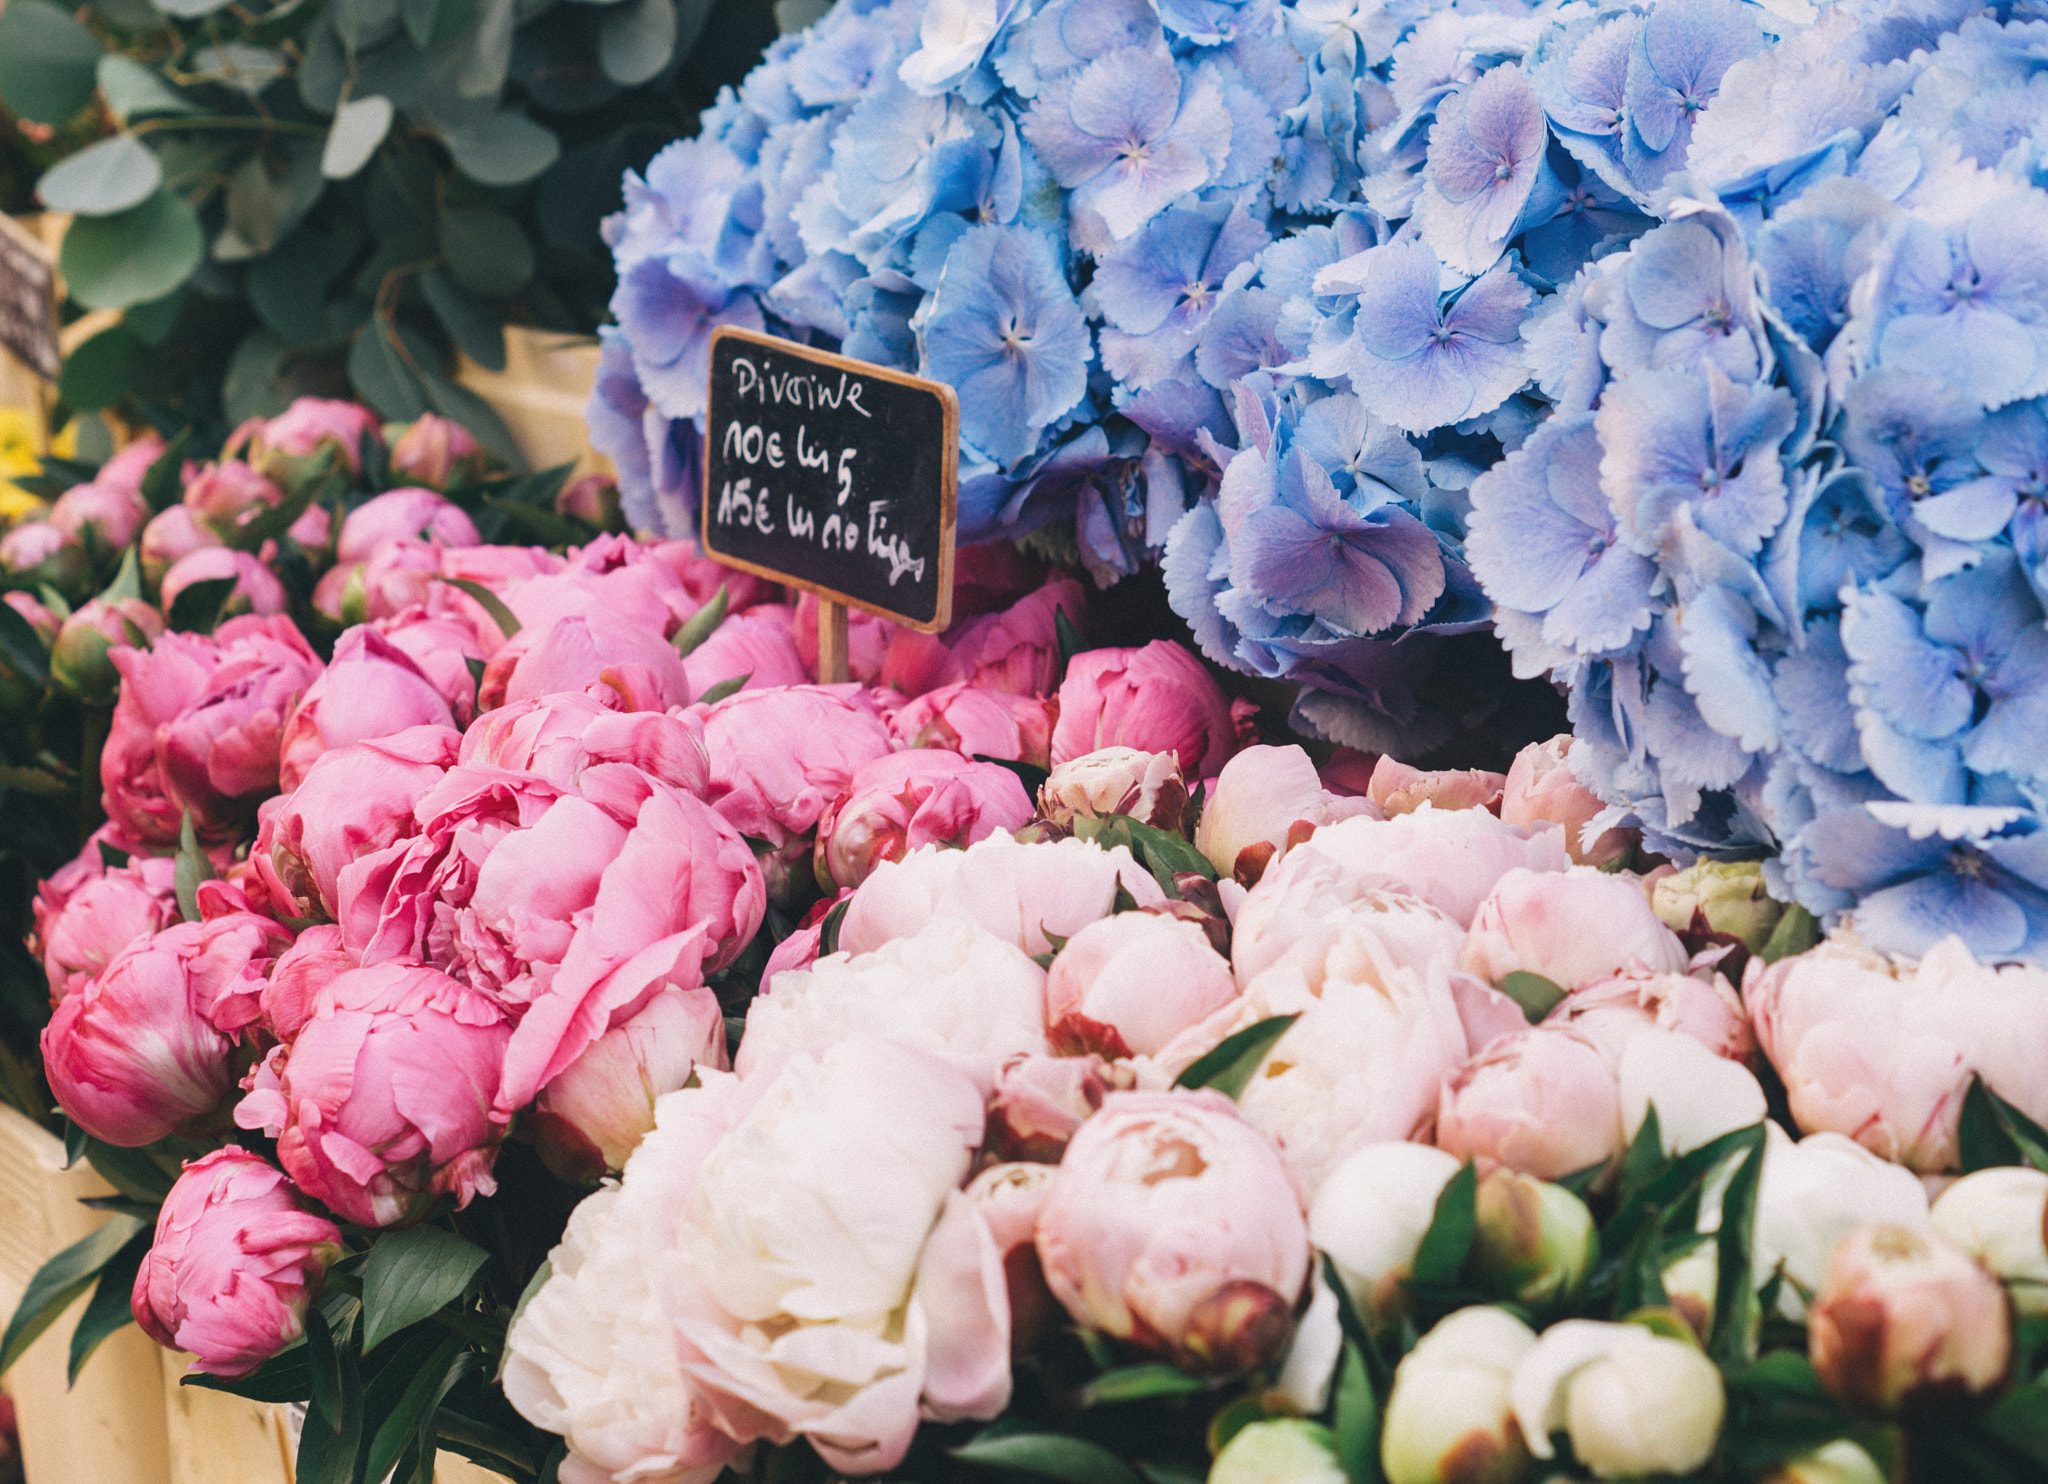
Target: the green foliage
pixel 1229 1066
pixel 356 189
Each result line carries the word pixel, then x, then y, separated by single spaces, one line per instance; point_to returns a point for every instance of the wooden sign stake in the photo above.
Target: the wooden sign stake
pixel 831 642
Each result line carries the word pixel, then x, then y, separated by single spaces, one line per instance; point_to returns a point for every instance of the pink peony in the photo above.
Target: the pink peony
pixel 1038 1103
pixel 776 794
pixel 256 588
pixel 199 725
pixel 83 926
pixel 146 1046
pixel 353 801
pixel 977 722
pixel 79 659
pixel 563 737
pixel 1541 790
pixel 906 800
pixel 290 998
pixel 597 1109
pixel 235 1264
pixel 594 648
pixel 114 511
pixel 409 514
pixel 1147 786
pixel 1173 1225
pixel 441 645
pixel 1157 699
pixel 1018 649
pixel 756 646
pixel 170 535
pixel 37 552
pixel 128 468
pixel 1451 858
pixel 436 452
pixel 382 1103
pixel 1545 1103
pixel 229 494
pixel 702 577
pixel 1400 789
pixel 1571 927
pixel 1265 800
pixel 370 689
pixel 307 426
pixel 1609 1012
pixel 1130 983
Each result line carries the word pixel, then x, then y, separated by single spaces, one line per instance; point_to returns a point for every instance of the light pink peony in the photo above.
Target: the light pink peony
pixel 1572 927
pixel 1131 983
pixel 170 535
pixel 1147 786
pixel 1400 789
pixel 976 722
pixel 595 1111
pixel 776 794
pixel 370 689
pixel 229 494
pixel 198 727
pixel 409 514
pixel 1157 698
pixel 1306 901
pixel 1038 1103
pixel 113 510
pixel 382 1103
pixel 1608 1012
pixel 1265 800
pixel 353 801
pixel 1173 1225
pixel 907 800
pixel 1451 858
pixel 1541 790
pixel 291 995
pixel 1545 1103
pixel 236 1262
pixel 1883 1049
pixel 84 923
pixel 146 1046
pixel 256 588
pixel 756 646
pixel 436 452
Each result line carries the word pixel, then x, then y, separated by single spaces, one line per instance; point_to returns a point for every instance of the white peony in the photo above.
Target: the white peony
pixel 1451 858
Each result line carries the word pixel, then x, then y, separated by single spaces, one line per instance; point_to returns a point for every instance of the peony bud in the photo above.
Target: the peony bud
pixel 904 800
pixel 1632 1402
pixel 234 1266
pixel 1718 897
pixel 1370 1215
pixel 1450 1419
pixel 1147 786
pixel 1908 1322
pixel 1544 1102
pixel 109 508
pixel 78 660
pixel 1840 1462
pixel 1265 800
pixel 1540 790
pixel 1158 698
pixel 1400 789
pixel 170 535
pixel 38 552
pixel 593 499
pixel 436 452
pixel 597 1109
pixel 1279 1450
pixel 1998 1216
pixel 1130 983
pixel 230 494
pixel 256 588
pixel 1534 1241
pixel 1570 927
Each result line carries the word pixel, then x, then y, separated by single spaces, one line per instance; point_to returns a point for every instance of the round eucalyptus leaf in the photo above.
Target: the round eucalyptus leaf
pixel 188 10
pixel 486 251
pixel 133 90
pixel 238 65
pixel 48 62
pixel 499 149
pixel 359 127
pixel 133 256
pixel 102 370
pixel 102 178
pixel 635 40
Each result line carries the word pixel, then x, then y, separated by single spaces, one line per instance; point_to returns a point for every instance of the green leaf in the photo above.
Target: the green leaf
pixel 285 1377
pixel 165 482
pixel 487 252
pixel 475 328
pixel 1070 640
pixel 1048 1456
pixel 21 647
pixel 334 1422
pixel 1448 1242
pixel 1230 1065
pixel 197 608
pixel 1797 931
pixel 134 256
pixel 1735 1303
pixel 102 178
pixel 153 322
pixel 1536 995
pixel 192 867
pixel 828 931
pixel 188 10
pixel 498 148
pixel 699 626
pixel 731 686
pixel 112 1303
pixel 379 373
pixel 431 22
pixel 36 781
pixel 59 1281
pixel 1994 1132
pixel 1355 1419
pixel 111 859
pixel 1164 854
pixel 102 370
pixel 635 40
pixel 2020 1420
pixel 133 90
pixel 412 1273
pixel 405 1388
pixel 1644 1157
pixel 359 127
pixel 48 62
pixel 534 1285
pixel 1138 1383
pixel 136 1173
pixel 489 601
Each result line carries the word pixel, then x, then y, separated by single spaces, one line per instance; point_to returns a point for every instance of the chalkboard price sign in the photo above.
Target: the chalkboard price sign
pixel 834 475
pixel 28 319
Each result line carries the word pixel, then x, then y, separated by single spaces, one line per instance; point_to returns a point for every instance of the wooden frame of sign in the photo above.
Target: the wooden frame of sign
pixel 820 467
pixel 31 352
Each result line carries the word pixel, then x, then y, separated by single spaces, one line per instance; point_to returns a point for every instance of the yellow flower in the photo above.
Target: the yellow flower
pixel 18 443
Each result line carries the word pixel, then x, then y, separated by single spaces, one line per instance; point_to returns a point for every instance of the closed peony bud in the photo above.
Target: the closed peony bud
pixel 370 690
pixel 1540 790
pixel 1719 897
pixel 304 429
pixel 1544 1102
pixel 594 499
pixel 38 552
pixel 1172 1224
pixel 1908 1322
pixel 1147 786
pixel 235 1264
pixel 1040 1102
pixel 905 800
pixel 436 452
pixel 410 514
pixel 170 535
pixel 597 1109
pixel 78 660
pixel 978 722
pixel 1265 800
pixel 1998 1216
pixel 1840 1462
pixel 229 494
pixel 87 914
pixel 1632 1402
pixel 1158 698
pixel 110 509
pixel 1279 1450
pixel 1450 1418
pixel 1570 927
pixel 1534 1241
pixel 1129 984
pixel 1369 1217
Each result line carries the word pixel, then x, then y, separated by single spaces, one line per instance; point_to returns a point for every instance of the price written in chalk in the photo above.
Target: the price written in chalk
pixel 832 474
